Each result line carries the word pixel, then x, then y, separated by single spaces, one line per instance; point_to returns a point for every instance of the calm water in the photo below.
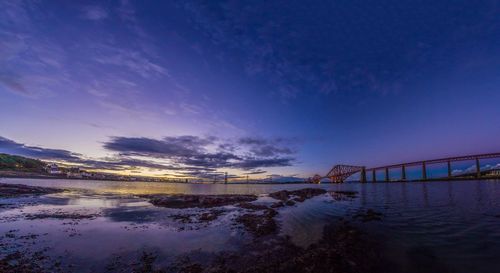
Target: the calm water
pixel 451 226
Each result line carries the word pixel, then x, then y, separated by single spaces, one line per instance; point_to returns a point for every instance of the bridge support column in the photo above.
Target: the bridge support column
pixel 386 174
pixel 424 171
pixel 374 175
pixel 449 169
pixel 403 172
pixel 363 175
pixel 478 168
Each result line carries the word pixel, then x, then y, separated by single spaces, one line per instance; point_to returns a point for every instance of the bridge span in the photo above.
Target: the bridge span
pixel 339 173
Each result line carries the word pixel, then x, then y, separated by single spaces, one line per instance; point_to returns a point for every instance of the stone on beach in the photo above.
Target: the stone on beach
pixel 300 195
pixel 199 201
pixel 259 224
pixel 15 190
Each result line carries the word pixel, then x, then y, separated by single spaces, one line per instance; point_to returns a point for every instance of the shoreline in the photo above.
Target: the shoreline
pixel 266 250
pixel 48 177
pixel 43 176
pixel 220 230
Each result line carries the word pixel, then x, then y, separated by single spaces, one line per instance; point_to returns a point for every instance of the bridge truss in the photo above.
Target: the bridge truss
pixel 339 173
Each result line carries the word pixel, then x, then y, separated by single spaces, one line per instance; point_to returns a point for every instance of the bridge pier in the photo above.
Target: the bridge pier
pixel 386 174
pixel 374 175
pixel 363 175
pixel 449 169
pixel 403 172
pixel 424 171
pixel 478 168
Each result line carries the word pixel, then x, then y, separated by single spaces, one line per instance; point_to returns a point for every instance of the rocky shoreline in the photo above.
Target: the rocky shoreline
pixel 257 219
pixel 182 201
pixel 343 247
pixel 17 190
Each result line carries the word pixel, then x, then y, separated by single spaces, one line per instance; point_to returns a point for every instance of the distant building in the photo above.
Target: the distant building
pixel 74 174
pixel 86 174
pixel 75 170
pixel 494 173
pixel 53 169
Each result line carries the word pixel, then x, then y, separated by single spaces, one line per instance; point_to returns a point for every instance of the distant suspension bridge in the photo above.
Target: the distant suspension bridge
pixel 339 173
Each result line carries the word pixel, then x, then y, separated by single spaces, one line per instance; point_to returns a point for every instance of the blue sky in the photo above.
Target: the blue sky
pixel 192 88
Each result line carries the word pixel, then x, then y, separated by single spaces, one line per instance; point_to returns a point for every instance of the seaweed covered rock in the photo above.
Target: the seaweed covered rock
pixel 299 195
pixel 259 224
pixel 342 249
pixel 251 206
pixel 199 201
pixel 14 190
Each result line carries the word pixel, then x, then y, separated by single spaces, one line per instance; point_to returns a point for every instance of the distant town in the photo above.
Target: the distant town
pixel 23 167
pixel 14 166
pixel 79 173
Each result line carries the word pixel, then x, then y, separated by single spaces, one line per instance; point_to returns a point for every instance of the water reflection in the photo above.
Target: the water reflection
pixel 425 194
pixel 453 225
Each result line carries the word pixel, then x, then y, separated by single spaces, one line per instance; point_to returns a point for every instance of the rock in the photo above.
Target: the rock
pixel 299 195
pixel 188 218
pixel 343 248
pixel 290 203
pixel 183 218
pixel 199 201
pixel 280 195
pixel 210 216
pixel 192 268
pixel 277 205
pixel 250 206
pixel 14 190
pixel 61 216
pixel 259 224
pixel 207 216
pixel 299 199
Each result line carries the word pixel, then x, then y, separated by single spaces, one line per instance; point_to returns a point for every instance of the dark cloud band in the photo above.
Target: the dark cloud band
pixel 188 156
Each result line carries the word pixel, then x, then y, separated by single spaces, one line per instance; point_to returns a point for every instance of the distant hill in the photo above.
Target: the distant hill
pixel 20 163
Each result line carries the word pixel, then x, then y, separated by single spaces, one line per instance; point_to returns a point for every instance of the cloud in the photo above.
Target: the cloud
pixel 183 146
pixel 116 163
pixel 31 64
pixel 266 147
pixel 186 156
pixel 253 163
pixel 190 108
pixel 14 85
pixel 125 163
pixel 94 13
pixel 198 152
pixel 256 172
pixel 134 60
pixel 11 147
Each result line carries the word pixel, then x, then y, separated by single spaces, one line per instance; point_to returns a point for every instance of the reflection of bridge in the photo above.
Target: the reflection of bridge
pixel 339 173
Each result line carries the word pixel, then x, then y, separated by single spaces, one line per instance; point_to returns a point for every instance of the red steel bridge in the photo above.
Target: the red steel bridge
pixel 339 173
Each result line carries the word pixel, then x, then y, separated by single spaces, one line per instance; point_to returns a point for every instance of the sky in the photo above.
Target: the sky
pixel 257 88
